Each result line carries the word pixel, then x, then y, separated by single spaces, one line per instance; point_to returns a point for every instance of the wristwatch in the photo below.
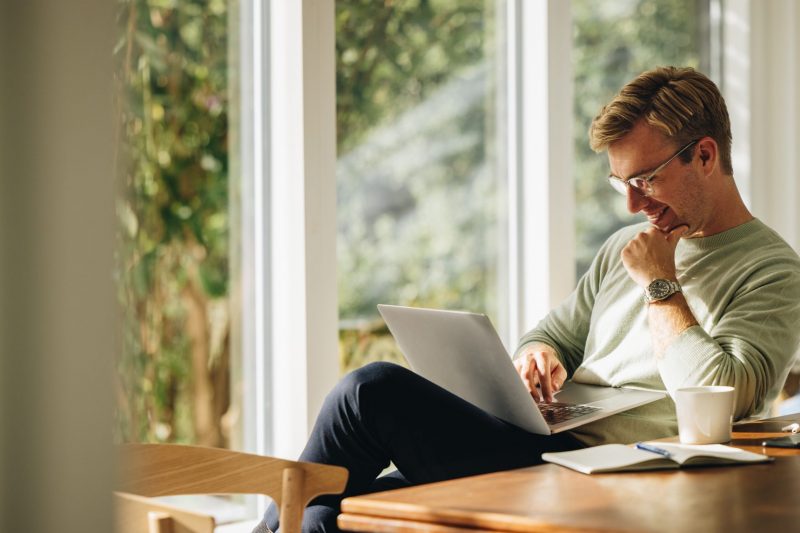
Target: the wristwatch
pixel 660 289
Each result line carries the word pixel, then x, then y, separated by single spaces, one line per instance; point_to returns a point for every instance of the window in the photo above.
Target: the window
pixel 420 174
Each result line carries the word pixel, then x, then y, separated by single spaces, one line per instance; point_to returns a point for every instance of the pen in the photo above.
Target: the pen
pixel 653 449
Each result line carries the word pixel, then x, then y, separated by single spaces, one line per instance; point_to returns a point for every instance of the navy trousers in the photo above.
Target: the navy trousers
pixel 384 413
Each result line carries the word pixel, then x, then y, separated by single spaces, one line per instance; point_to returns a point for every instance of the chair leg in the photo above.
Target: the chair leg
pixel 292 504
pixel 159 522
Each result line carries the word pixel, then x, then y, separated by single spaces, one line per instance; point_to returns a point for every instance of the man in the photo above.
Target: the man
pixel 700 294
pixel 734 321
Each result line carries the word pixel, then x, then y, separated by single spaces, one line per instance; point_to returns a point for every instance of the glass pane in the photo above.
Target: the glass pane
pixel 421 191
pixel 173 378
pixel 614 41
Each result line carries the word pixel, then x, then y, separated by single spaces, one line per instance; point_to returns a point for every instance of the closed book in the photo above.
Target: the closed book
pixel 622 458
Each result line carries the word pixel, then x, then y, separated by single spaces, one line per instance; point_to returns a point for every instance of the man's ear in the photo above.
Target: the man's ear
pixel 708 153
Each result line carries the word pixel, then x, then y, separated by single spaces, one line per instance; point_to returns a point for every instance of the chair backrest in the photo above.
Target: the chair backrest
pixel 171 469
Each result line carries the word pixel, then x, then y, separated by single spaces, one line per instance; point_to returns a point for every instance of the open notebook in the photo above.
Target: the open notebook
pixel 621 458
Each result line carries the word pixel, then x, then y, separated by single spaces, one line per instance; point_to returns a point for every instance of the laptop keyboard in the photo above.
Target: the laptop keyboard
pixel 555 413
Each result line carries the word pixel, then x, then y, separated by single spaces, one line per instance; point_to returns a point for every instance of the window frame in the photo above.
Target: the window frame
pixel 542 237
pixel 289 326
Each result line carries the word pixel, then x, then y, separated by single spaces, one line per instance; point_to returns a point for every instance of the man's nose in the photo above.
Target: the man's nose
pixel 636 201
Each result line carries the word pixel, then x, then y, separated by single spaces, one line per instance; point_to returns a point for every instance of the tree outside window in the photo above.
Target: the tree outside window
pixel 173 378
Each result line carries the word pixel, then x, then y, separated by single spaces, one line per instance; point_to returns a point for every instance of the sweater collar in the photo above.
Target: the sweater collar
pixel 721 239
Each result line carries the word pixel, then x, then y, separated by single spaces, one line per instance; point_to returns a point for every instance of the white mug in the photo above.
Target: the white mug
pixel 705 414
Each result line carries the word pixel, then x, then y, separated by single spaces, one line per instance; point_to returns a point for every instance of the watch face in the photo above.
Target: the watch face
pixel 659 289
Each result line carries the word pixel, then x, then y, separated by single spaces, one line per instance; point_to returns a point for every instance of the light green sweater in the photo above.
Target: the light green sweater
pixel 743 286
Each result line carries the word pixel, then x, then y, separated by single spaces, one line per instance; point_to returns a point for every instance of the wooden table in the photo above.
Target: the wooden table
pixel 762 497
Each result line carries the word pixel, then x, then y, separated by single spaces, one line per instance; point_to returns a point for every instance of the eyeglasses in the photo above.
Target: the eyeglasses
pixel 643 184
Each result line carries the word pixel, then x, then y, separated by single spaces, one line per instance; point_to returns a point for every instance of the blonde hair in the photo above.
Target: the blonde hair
pixel 681 103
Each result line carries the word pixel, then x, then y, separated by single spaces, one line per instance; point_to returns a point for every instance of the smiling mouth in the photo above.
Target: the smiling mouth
pixel 655 217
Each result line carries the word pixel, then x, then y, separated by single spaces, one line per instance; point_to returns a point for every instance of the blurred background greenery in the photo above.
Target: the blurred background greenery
pixel 420 203
pixel 420 177
pixel 173 255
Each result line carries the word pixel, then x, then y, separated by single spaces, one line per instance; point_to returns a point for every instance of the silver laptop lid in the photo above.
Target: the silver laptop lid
pixel 461 352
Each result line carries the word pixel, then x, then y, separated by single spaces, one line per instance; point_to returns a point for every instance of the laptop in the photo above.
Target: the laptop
pixel 462 353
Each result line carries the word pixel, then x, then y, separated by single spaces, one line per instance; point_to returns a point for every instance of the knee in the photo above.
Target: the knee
pixel 368 383
pixel 379 372
pixel 374 377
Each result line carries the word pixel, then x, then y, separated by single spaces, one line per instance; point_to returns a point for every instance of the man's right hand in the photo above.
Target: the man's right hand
pixel 539 365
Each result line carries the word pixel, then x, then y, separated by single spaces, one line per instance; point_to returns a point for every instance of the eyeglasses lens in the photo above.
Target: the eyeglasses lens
pixel 639 185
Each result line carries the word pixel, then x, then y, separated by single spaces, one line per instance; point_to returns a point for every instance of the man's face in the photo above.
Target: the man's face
pixel 678 197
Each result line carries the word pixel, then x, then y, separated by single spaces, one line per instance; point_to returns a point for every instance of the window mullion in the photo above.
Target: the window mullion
pixel 302 165
pixel 544 236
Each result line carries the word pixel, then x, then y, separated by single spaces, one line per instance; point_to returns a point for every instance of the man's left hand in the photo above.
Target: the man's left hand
pixel 651 255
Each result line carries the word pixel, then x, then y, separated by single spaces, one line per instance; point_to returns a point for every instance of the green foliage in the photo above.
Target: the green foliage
pixel 418 198
pixel 391 56
pixel 173 210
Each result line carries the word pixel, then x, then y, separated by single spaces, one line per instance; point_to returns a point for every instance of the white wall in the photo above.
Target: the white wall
pixel 775 82
pixel 56 290
pixel 761 84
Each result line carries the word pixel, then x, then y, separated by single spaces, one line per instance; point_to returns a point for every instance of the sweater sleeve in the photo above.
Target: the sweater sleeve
pixel 749 348
pixel 566 327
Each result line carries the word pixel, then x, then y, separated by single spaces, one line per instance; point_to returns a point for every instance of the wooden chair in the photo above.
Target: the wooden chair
pixel 169 469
